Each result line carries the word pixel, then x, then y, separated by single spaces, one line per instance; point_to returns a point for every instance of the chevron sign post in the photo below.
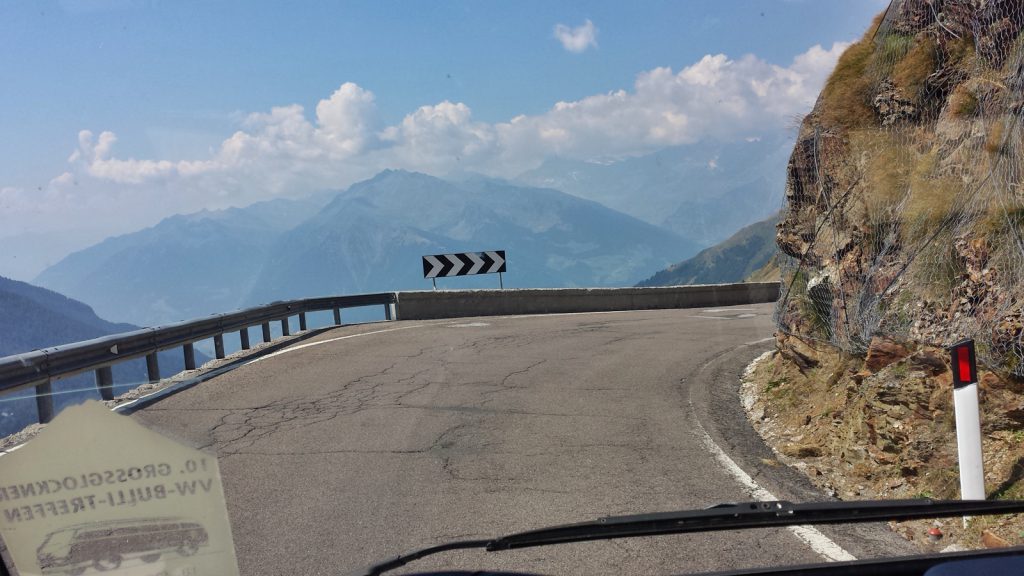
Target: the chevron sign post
pixel 464 264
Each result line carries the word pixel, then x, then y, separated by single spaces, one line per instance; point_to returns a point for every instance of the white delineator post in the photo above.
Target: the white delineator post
pixel 968 421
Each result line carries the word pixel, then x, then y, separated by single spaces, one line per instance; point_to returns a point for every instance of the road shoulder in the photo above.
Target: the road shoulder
pixel 714 396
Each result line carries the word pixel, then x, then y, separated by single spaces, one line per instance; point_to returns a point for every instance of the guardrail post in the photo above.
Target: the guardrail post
pixel 337 316
pixel 387 311
pixel 190 356
pixel 243 335
pixel 153 367
pixel 285 331
pixel 218 346
pixel 266 332
pixel 302 321
pixel 105 382
pixel 44 402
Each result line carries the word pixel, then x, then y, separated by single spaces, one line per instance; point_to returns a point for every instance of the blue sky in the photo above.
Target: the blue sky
pixel 420 85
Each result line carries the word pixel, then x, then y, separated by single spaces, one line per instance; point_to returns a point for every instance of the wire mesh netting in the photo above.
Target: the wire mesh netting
pixel 904 210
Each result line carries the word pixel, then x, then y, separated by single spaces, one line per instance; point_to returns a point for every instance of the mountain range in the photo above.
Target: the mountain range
pixel 368 238
pixel 184 267
pixel 703 191
pixel 372 236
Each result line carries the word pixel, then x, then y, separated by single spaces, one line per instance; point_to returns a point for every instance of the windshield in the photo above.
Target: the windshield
pixel 363 278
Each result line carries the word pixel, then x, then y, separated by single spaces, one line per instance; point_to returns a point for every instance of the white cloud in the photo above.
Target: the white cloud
pixel 346 119
pixel 577 39
pixel 344 127
pixel 285 151
pixel 63 180
pixel 716 96
pixel 440 138
pixel 94 156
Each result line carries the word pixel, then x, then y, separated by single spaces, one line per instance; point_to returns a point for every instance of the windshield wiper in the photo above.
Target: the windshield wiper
pixel 721 517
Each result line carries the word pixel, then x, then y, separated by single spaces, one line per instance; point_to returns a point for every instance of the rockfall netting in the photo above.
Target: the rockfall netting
pixel 904 202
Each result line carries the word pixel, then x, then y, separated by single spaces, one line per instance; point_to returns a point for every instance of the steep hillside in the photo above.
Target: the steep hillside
pixel 32 318
pixel 185 267
pixel 731 260
pixel 372 236
pixel 903 234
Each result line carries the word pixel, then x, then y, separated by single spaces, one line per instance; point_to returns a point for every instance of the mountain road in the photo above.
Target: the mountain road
pixel 367 441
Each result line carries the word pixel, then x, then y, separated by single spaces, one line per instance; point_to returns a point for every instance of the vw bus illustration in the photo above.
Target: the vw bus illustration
pixel 105 545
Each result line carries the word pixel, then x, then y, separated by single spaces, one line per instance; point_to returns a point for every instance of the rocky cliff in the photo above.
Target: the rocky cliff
pixel 904 203
pixel 903 232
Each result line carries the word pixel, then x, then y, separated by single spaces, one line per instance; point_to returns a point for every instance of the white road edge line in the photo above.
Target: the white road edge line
pixel 227 368
pixel 328 341
pixel 821 544
pixel 761 341
pixel 518 316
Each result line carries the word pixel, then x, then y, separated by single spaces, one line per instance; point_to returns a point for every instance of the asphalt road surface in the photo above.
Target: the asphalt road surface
pixel 367 441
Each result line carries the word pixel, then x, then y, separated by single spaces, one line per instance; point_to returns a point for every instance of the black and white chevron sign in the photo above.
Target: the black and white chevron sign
pixel 464 264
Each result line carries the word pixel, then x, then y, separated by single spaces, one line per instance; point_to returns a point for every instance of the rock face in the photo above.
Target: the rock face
pixel 904 212
pixel 903 233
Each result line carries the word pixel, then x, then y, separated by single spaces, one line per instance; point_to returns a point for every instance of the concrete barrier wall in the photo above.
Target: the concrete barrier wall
pixel 428 305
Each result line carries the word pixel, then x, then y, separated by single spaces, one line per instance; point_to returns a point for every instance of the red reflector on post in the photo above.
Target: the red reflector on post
pixel 963 363
pixel 965 368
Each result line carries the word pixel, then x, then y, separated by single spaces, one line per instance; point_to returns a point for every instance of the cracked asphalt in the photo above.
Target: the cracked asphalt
pixel 345 452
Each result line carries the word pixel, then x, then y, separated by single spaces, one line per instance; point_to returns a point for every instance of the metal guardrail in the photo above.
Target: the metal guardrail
pixel 40 367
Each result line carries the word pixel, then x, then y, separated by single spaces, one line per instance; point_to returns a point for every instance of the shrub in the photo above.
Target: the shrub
pixel 845 100
pixel 962 102
pixel 936 269
pixel 913 69
pixel 886 176
pixel 960 54
pixel 994 140
pixel 932 196
pixel 892 48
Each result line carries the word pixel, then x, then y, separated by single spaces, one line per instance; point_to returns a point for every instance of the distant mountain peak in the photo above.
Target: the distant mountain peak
pixel 368 238
pixel 398 173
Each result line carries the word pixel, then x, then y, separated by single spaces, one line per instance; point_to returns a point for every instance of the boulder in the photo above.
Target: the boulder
pixel 991 540
pixel 797 351
pixel 801 450
pixel 883 351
